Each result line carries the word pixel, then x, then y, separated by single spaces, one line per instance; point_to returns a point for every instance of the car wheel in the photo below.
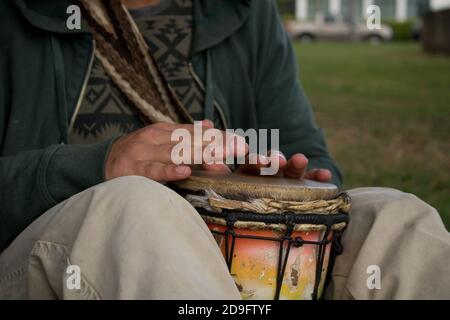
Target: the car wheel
pixel 374 39
pixel 305 38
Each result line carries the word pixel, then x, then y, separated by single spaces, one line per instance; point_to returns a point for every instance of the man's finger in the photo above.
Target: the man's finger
pixel 159 136
pixel 215 147
pixel 208 123
pixel 296 166
pixel 235 145
pixel 186 154
pixel 217 167
pixel 230 145
pixel 254 162
pixel 322 175
pixel 163 173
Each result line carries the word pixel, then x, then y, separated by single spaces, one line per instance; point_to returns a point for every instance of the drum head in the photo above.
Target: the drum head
pixel 241 186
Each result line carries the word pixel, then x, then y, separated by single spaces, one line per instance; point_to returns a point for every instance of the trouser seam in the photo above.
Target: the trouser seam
pixel 87 285
pixel 13 275
pixel 42 247
pixel 339 275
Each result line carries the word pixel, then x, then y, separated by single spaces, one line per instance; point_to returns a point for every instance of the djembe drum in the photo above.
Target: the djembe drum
pixel 279 236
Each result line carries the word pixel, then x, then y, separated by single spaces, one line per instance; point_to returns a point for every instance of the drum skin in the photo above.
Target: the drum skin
pixel 240 186
pixel 255 264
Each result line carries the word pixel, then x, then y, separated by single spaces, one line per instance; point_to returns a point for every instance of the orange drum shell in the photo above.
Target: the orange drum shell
pixel 255 263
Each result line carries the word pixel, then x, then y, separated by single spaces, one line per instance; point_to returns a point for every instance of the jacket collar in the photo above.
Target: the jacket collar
pixel 214 20
pixel 48 15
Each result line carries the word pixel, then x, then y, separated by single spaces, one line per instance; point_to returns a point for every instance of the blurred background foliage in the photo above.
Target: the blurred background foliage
pixel 386 113
pixel 402 30
pixel 385 108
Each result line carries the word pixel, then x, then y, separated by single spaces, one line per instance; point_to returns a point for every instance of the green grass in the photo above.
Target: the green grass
pixel 386 112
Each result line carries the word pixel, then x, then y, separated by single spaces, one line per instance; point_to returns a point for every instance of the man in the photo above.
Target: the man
pixel 80 168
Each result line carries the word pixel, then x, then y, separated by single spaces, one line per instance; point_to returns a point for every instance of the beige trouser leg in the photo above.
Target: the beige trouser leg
pixel 131 238
pixel 134 238
pixel 401 235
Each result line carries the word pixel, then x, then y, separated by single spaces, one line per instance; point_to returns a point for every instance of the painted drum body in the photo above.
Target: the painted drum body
pixel 278 236
pixel 255 264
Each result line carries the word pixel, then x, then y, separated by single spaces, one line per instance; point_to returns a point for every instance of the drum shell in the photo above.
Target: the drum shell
pixel 255 263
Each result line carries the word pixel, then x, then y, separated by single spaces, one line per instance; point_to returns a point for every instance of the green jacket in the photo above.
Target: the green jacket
pixel 240 53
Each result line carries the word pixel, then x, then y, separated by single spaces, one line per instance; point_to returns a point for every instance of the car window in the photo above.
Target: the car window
pixel 329 19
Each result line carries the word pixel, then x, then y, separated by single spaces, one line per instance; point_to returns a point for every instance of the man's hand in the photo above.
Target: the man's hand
pixel 295 167
pixel 147 152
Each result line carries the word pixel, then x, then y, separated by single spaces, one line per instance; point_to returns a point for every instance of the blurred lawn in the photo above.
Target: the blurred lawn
pixel 386 112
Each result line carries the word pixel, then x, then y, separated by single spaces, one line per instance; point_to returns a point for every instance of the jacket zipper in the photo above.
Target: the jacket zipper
pixel 202 86
pixel 83 88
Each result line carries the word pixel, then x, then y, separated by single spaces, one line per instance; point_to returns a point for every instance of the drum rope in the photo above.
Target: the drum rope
pixel 255 221
pixel 282 261
pixel 212 201
pixel 319 265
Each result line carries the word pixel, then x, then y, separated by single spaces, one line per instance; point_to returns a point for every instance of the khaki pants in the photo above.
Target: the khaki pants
pixel 133 238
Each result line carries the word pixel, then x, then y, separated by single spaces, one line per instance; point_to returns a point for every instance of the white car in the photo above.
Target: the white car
pixel 335 28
